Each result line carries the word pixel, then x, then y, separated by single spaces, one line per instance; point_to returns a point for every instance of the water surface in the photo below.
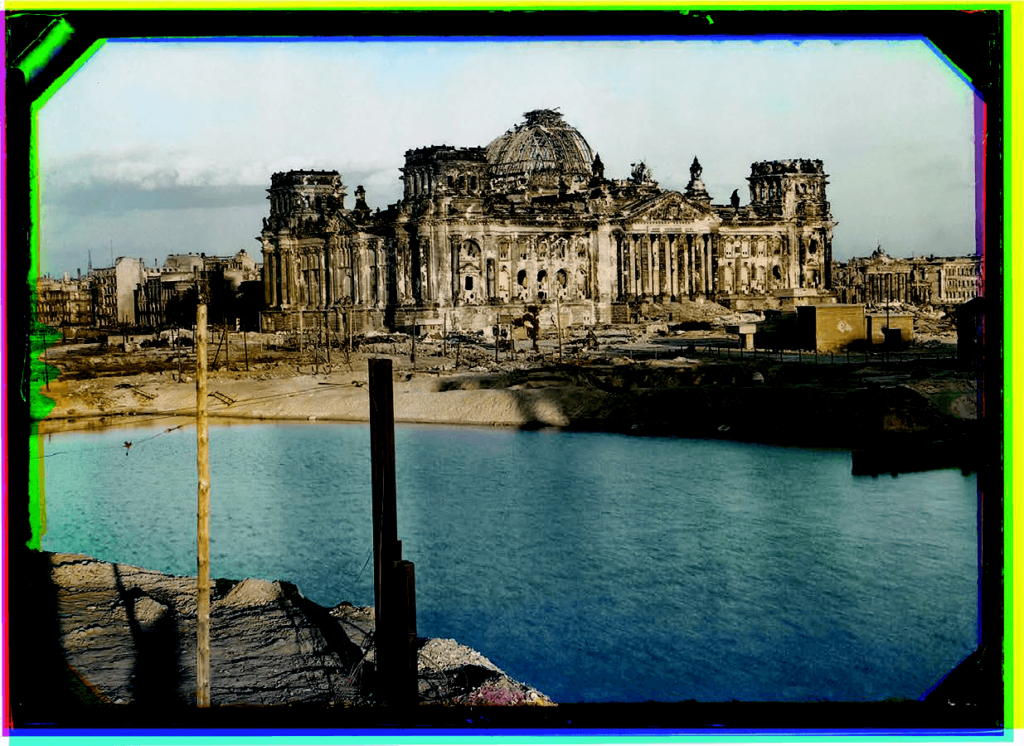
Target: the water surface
pixel 596 567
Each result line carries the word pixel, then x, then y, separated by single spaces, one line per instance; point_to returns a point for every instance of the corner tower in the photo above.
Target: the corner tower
pixel 793 192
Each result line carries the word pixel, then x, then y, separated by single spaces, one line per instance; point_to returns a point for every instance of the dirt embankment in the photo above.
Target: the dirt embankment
pixel 763 400
pixel 130 637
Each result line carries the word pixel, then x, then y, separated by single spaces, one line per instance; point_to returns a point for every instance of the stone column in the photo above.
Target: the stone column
pixel 305 278
pixel 338 267
pixel 638 266
pixel 620 267
pixel 706 263
pixel 322 277
pixel 698 265
pixel 714 241
pixel 365 276
pixel 286 277
pixel 355 268
pixel 281 277
pixel 454 286
pixel 268 279
pixel 632 266
pixel 683 266
pixel 381 284
pixel 426 270
pixel 694 262
pixel 655 261
pixel 670 265
pixel 531 271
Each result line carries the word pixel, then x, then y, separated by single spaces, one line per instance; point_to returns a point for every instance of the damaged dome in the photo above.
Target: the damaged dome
pixel 542 152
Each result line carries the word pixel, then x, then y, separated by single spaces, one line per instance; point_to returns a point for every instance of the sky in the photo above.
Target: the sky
pixel 161 147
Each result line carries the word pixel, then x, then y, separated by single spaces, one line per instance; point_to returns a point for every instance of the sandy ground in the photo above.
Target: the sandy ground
pixel 340 395
pixel 112 387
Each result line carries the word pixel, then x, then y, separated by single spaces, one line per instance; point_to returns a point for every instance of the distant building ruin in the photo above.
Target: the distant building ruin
pixel 531 219
pixel 919 281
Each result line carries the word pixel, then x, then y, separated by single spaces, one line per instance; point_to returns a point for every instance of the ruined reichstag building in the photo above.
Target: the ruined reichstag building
pixel 532 220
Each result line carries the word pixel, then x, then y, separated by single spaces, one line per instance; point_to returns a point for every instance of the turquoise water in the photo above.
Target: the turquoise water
pixel 596 567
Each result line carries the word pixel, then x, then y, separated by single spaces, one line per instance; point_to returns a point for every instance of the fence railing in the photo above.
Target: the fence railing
pixel 843 357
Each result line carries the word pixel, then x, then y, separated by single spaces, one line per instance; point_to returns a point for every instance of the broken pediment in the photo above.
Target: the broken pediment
pixel 670 206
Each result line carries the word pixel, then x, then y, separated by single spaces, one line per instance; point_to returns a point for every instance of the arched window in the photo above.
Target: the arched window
pixel 521 278
pixel 472 183
pixel 469 282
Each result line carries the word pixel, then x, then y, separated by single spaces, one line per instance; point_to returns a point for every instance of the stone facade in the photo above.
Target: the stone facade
pixel 64 302
pixel 531 219
pixel 919 281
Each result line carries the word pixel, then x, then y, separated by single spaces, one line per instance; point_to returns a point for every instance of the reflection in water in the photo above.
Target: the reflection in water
pixel 597 567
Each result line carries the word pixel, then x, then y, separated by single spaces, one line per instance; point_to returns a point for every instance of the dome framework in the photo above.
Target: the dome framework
pixel 542 152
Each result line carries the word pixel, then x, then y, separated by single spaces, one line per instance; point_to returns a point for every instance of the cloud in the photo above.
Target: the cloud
pixel 157 191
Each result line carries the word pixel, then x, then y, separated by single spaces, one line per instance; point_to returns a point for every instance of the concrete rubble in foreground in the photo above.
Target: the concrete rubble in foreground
pixel 130 635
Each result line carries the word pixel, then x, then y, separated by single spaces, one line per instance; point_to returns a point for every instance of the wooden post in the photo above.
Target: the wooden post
pixel 497 335
pixel 393 578
pixel 227 348
pixel 458 354
pixel 382 470
pixel 412 355
pixel 444 335
pixel 203 517
pixel 245 346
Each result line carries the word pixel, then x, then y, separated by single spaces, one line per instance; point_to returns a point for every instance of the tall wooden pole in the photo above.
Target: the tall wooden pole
pixel 203 517
pixel 382 469
pixel 393 579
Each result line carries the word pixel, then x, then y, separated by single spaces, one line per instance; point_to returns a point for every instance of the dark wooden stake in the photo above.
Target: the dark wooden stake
pixel 245 346
pixel 393 578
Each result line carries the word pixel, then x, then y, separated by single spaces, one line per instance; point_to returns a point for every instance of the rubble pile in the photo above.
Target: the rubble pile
pixel 130 635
